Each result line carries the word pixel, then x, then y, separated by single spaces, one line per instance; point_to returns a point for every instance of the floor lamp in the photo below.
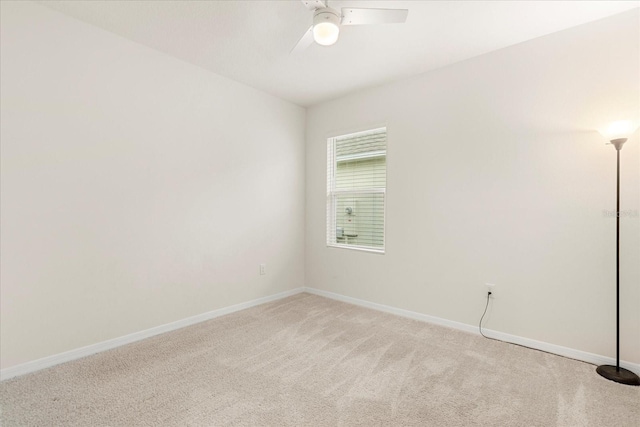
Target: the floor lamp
pixel 617 134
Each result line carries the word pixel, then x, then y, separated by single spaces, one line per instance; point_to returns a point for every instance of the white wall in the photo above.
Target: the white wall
pixel 136 189
pixel 495 174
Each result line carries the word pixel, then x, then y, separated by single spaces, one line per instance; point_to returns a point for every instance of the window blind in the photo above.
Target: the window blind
pixel 356 188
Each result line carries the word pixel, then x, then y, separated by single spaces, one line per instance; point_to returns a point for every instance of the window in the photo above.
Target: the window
pixel 356 187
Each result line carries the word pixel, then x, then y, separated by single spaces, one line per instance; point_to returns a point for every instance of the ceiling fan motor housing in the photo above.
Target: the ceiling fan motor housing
pixel 326 15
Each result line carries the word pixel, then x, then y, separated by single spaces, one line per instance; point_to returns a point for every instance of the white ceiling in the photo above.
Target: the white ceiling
pixel 250 41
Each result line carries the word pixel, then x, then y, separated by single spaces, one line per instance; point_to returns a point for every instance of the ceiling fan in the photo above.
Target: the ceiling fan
pixel 327 21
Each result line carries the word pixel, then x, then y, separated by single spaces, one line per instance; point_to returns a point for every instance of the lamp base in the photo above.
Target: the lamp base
pixel 619 375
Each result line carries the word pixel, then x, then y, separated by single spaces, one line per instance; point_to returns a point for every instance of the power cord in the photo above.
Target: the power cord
pixel 512 343
pixel 483 314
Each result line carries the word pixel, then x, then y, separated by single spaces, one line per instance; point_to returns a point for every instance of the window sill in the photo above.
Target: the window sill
pixel 358 248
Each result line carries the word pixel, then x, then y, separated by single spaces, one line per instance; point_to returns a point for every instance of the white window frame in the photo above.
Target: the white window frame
pixel 332 194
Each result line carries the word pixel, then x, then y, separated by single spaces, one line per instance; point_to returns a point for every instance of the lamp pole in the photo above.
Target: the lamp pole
pixel 616 373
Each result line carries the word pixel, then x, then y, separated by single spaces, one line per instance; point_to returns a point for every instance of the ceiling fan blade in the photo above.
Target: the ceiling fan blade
pixel 304 42
pixel 354 16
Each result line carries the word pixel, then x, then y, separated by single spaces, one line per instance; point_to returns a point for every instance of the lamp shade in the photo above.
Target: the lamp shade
pixel 619 129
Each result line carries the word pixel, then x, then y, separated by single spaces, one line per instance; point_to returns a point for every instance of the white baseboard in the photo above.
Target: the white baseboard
pixel 78 353
pixel 584 356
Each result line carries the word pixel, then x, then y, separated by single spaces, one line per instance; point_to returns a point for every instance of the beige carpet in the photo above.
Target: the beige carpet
pixel 311 361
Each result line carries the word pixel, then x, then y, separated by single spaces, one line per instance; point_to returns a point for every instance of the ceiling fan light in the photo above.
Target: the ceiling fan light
pixel 325 33
pixel 326 26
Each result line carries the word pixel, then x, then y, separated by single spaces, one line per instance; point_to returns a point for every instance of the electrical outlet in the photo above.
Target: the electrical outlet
pixel 491 288
pixel 263 269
